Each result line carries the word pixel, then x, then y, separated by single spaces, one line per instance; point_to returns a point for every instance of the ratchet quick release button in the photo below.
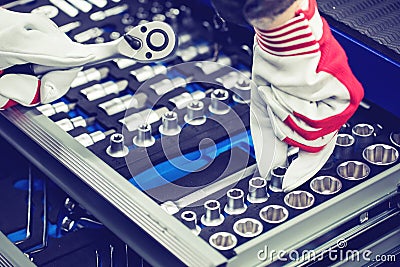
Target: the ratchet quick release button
pixel 157 40
pixel 134 43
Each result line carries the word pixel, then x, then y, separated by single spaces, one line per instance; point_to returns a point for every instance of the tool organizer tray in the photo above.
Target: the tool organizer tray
pixel 151 187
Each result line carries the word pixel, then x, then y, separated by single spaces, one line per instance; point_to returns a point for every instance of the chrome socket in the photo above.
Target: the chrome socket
pixel 395 138
pixel 235 204
pixel 223 241
pixel 274 214
pixel 248 227
pixel 363 134
pixel 67 224
pixel 169 126
pixel 117 148
pixel 299 200
pixel 353 170
pixel 144 137
pixel 189 218
pixel 242 91
pixel 277 175
pixel 213 216
pixel 344 146
pixel 219 102
pixel 195 113
pixel 380 154
pixel 257 190
pixel 326 185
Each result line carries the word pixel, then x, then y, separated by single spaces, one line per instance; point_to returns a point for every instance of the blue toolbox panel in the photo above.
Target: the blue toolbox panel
pixel 162 153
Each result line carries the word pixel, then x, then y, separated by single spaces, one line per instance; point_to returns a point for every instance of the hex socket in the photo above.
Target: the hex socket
pixel 353 170
pixel 257 190
pixel 344 146
pixel 277 175
pixel 363 134
pixel 212 216
pixel 299 199
pixel 248 227
pixel 219 102
pixel 274 214
pixel 169 126
pixel 223 241
pixel 326 185
pixel 117 148
pixel 381 154
pixel 195 113
pixel 144 137
pixel 189 218
pixel 235 204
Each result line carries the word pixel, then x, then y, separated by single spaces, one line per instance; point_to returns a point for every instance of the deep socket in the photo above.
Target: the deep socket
pixel 169 126
pixel 363 134
pixel 257 190
pixel 219 102
pixel 235 204
pixel 195 113
pixel 277 175
pixel 189 218
pixel 144 137
pixel 344 146
pixel 117 148
pixel 212 216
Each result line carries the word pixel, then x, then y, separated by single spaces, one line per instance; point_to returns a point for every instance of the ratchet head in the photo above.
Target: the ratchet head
pixel 149 42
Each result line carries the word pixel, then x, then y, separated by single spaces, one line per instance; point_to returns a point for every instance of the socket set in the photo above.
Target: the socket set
pixel 364 148
pixel 168 144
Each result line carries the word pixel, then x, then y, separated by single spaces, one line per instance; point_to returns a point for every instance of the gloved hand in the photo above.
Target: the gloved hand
pixel 270 137
pixel 33 38
pixel 303 91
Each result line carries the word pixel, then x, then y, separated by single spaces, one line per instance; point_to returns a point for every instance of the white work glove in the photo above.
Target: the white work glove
pixel 269 133
pixel 32 38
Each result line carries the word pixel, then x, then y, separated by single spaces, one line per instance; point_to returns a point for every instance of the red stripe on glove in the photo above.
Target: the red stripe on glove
pixel 310 149
pixel 312 135
pixel 10 103
pixel 36 98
